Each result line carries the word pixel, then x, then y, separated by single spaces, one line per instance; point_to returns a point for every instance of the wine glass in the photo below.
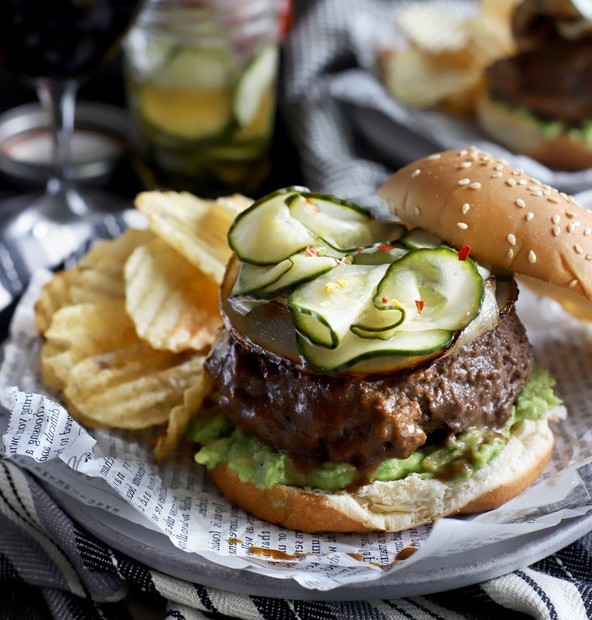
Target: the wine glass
pixel 52 46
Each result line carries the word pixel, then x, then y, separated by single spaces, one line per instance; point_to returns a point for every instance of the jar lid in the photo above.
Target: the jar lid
pixel 100 140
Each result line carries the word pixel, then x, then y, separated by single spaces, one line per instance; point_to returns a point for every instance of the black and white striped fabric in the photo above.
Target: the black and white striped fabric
pixel 80 578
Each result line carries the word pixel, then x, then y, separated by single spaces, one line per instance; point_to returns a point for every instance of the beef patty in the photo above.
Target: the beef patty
pixel 553 81
pixel 362 419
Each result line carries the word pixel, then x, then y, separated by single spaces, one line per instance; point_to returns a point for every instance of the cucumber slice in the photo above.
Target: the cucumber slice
pixel 324 309
pixel 270 281
pixel 254 277
pixel 198 68
pixel 386 230
pixel 449 290
pixel 266 233
pixel 254 84
pixel 419 238
pixel 340 224
pixel 304 268
pixel 403 350
pixel 379 254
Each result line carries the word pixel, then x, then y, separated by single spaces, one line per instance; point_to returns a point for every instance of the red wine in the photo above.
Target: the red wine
pixel 61 39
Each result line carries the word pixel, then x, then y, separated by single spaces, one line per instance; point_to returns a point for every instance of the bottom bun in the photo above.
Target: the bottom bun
pixel 522 134
pixel 400 504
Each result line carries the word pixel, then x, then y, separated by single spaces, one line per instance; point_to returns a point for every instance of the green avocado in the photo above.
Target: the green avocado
pixel 457 457
pixel 550 128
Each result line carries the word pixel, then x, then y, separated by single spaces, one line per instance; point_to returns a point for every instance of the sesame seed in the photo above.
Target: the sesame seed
pixel 523 182
pixel 496 175
pixel 498 167
pixel 573 283
pixel 529 216
pixel 465 208
pixel 434 156
pixel 578 248
pixel 532 257
pixel 510 182
pixel 476 185
pixel 588 256
pixel 556 219
pixel 571 227
pixel 416 172
pixel 464 181
pixel 536 192
pixel 463 153
pixel 555 230
pixel 553 199
pixel 570 214
pixel 509 254
pixel 520 203
pixel 563 195
pixel 517 172
pixel 511 239
pixel 587 231
pixel 462 225
pixel 465 164
pixel 417 210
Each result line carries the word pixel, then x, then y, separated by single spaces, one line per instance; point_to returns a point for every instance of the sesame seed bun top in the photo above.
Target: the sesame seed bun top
pixel 510 220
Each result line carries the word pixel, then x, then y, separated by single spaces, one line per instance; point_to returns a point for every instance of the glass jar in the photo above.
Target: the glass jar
pixel 201 83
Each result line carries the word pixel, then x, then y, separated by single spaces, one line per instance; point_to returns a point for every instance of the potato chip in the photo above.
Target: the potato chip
pixel 419 80
pixel 181 415
pixel 130 388
pixel 54 295
pixel 173 305
pixel 431 29
pixel 100 271
pixel 80 331
pixel 194 227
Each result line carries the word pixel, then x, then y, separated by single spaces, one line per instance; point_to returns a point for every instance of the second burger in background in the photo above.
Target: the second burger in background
pixel 539 101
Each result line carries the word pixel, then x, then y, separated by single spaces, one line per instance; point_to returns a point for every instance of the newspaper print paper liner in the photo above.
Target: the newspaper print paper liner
pixel 112 471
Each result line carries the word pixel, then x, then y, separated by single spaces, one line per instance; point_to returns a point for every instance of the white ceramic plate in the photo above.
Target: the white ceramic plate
pixel 424 577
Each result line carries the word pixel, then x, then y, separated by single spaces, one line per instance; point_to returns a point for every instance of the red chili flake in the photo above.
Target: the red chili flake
pixel 360 249
pixel 419 304
pixel 385 247
pixel 310 251
pixel 464 252
pixel 384 299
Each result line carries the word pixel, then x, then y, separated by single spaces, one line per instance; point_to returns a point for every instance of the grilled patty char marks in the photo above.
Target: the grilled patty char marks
pixel 364 419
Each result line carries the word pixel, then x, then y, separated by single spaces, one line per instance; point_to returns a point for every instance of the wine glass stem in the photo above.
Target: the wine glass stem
pixel 58 99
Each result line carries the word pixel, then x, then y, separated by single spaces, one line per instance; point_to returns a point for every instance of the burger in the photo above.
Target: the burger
pixel 539 100
pixel 372 372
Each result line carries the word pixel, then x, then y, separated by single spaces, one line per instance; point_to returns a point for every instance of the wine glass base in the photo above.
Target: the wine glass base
pixel 45 229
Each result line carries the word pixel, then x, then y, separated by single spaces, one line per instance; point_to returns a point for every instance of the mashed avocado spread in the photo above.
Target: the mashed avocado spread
pixel 549 128
pixel 457 457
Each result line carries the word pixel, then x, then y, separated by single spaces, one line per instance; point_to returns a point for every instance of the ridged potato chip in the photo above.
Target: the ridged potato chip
pixel 54 295
pixel 130 388
pixel 181 415
pixel 173 305
pixel 431 29
pixel 97 277
pixel 196 228
pixel 79 331
pixel 100 271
